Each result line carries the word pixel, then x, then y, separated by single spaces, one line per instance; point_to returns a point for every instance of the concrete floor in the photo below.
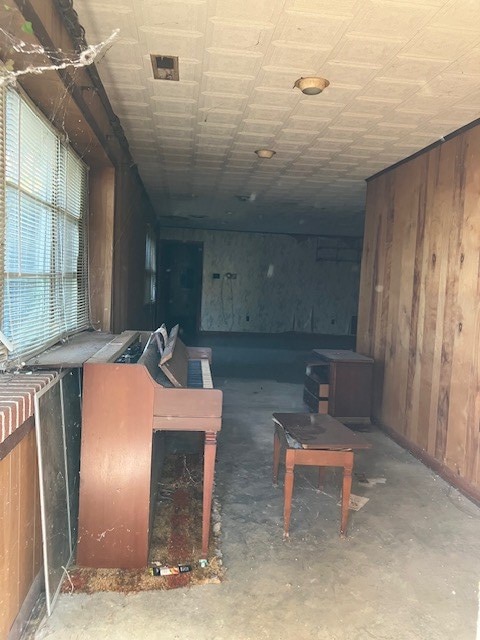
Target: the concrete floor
pixel 409 569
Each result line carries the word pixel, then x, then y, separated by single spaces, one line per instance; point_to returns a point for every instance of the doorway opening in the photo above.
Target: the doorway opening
pixel 180 285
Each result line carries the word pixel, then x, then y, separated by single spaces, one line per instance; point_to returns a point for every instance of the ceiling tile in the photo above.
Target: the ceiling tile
pixel 250 10
pixel 461 14
pixel 440 44
pixel 391 19
pixel 307 57
pixel 344 8
pixel 227 61
pixel 240 35
pixel 402 73
pixel 225 83
pixel 357 49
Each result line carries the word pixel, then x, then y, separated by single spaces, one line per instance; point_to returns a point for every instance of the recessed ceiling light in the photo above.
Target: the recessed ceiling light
pixel 265 153
pixel 311 85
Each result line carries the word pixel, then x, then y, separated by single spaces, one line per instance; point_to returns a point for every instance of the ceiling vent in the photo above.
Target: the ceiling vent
pixel 165 67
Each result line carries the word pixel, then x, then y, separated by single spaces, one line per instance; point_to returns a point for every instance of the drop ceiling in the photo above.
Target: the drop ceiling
pixel 403 74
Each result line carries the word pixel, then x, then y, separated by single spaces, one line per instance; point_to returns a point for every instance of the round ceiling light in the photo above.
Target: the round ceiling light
pixel 265 153
pixel 311 85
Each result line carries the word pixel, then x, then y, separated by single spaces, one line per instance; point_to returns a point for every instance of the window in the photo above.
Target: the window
pixel 43 204
pixel 150 267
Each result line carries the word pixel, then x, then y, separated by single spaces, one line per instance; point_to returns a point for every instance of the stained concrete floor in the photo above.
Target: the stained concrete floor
pixel 409 569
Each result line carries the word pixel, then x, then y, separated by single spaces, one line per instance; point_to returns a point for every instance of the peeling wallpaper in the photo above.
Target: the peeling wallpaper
pixel 279 286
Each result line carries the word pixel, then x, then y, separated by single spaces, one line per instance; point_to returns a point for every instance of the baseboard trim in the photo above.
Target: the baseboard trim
pixel 469 490
pixel 21 621
pixel 262 334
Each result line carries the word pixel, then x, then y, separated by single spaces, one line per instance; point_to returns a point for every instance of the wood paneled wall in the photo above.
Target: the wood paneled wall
pixel 132 215
pixel 100 245
pixel 20 528
pixel 419 309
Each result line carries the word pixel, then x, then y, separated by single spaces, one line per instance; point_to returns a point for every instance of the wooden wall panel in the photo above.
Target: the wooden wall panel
pixel 419 314
pixel 27 487
pixel 8 591
pixel 100 245
pixel 20 534
pixel 133 213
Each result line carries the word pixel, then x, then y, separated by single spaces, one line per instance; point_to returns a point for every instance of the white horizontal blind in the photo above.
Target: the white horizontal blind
pixel 3 350
pixel 45 268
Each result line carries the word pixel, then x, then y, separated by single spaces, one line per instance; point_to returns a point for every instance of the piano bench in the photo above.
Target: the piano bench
pixel 314 440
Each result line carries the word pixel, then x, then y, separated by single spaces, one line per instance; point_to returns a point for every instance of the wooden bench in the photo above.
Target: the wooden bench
pixel 315 440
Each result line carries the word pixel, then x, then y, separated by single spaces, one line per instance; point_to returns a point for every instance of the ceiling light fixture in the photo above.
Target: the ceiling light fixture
pixel 265 153
pixel 311 85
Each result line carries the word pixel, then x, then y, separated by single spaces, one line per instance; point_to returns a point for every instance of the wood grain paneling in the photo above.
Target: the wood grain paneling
pixel 100 245
pixel 133 213
pixel 419 315
pixel 20 536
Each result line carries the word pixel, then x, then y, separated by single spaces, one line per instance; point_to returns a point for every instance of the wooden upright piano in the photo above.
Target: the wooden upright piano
pixel 123 405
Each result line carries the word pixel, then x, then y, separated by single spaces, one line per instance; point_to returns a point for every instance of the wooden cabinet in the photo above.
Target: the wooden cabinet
pixel 339 383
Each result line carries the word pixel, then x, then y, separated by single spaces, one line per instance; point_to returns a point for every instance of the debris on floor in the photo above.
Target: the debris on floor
pixel 369 482
pixel 175 543
pixel 356 502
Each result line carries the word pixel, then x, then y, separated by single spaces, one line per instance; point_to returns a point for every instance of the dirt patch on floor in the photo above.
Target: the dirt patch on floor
pixel 176 539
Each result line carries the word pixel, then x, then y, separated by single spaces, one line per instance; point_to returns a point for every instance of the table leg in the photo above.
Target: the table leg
pixel 208 475
pixel 321 477
pixel 346 488
pixel 287 507
pixel 276 456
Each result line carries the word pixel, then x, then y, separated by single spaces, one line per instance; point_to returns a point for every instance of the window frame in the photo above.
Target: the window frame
pixel 67 206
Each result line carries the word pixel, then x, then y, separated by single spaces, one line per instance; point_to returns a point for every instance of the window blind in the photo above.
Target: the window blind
pixel 44 283
pixel 3 350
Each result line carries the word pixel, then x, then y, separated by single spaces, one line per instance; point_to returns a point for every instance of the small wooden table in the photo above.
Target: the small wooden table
pixel 316 440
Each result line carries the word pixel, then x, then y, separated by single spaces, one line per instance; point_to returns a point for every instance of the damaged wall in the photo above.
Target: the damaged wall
pixel 279 285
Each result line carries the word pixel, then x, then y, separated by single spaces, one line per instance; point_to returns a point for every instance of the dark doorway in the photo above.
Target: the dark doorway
pixel 180 285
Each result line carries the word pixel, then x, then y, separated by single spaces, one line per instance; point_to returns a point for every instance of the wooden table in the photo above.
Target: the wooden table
pixel 315 440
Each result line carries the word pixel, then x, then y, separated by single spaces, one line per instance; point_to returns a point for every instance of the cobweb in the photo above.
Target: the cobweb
pixel 59 59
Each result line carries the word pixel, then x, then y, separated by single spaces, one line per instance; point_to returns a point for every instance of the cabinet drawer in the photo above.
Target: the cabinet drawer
pixel 320 371
pixel 317 405
pixel 316 386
